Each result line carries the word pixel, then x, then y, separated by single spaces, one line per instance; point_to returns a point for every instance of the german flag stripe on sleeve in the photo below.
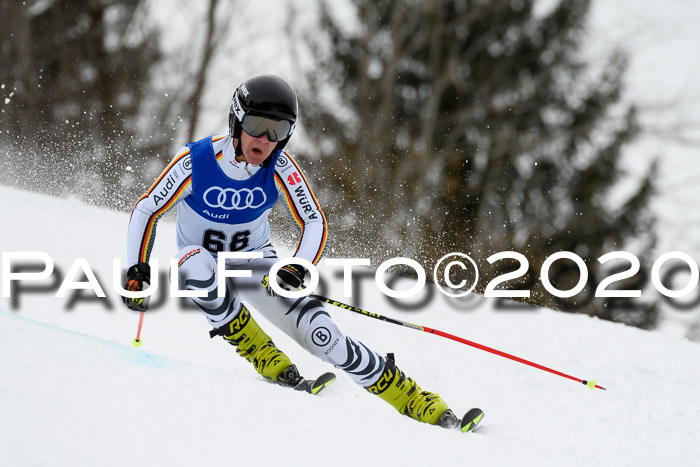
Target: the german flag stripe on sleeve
pixel 170 166
pixel 290 204
pixel 297 216
pixel 322 246
pixel 149 233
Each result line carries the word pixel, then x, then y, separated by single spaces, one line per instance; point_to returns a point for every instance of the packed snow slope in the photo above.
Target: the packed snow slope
pixel 74 392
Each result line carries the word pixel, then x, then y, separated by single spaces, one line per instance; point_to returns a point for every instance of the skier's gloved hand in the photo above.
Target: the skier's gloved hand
pixel 290 277
pixel 138 277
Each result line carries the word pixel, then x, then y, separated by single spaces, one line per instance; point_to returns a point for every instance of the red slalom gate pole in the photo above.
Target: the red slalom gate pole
pixel 136 342
pixel 590 384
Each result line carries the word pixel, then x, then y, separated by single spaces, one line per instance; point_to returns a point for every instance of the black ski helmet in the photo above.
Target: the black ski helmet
pixel 266 96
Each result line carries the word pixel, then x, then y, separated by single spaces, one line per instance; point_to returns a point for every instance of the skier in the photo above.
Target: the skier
pixel 225 187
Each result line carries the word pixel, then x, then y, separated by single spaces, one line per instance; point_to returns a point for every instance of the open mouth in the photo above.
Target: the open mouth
pixel 256 151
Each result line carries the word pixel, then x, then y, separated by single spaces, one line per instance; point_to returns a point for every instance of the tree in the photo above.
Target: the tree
pixel 75 86
pixel 475 126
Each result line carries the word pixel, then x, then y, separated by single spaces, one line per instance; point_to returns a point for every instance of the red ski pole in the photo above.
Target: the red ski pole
pixel 590 384
pixel 137 340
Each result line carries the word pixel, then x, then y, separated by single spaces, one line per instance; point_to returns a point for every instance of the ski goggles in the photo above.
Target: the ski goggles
pixel 276 130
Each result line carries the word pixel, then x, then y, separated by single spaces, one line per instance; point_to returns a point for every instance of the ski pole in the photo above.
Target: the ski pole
pixel 136 341
pixel 590 384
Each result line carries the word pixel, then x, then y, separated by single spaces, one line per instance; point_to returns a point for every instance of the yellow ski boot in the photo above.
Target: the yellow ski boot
pixel 253 344
pixel 406 396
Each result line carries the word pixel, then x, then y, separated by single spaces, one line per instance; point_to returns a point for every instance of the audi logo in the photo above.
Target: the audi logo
pixel 231 199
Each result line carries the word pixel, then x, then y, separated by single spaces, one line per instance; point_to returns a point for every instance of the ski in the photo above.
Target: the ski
pixel 314 386
pixel 469 421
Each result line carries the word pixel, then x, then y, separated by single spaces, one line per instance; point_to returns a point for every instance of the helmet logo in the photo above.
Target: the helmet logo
pixel 237 109
pixel 244 90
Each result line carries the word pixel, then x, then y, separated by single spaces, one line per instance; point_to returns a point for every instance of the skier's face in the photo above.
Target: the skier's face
pixel 256 150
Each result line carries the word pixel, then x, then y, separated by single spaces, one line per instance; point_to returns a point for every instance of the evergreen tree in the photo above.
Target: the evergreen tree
pixel 476 126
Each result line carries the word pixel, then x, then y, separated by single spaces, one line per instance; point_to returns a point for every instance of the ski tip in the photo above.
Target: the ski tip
pixel 322 382
pixel 471 420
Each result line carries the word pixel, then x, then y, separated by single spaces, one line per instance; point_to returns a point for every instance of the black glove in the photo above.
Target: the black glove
pixel 290 277
pixel 138 277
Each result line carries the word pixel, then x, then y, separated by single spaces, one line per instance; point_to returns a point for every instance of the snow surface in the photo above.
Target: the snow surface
pixel 73 391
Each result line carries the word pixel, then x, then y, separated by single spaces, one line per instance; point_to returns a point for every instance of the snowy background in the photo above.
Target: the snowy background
pixel 659 37
pixel 74 392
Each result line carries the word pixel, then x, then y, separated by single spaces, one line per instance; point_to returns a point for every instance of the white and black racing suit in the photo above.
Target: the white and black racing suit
pixel 223 205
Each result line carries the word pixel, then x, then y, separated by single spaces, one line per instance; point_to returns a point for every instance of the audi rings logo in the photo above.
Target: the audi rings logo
pixel 231 199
